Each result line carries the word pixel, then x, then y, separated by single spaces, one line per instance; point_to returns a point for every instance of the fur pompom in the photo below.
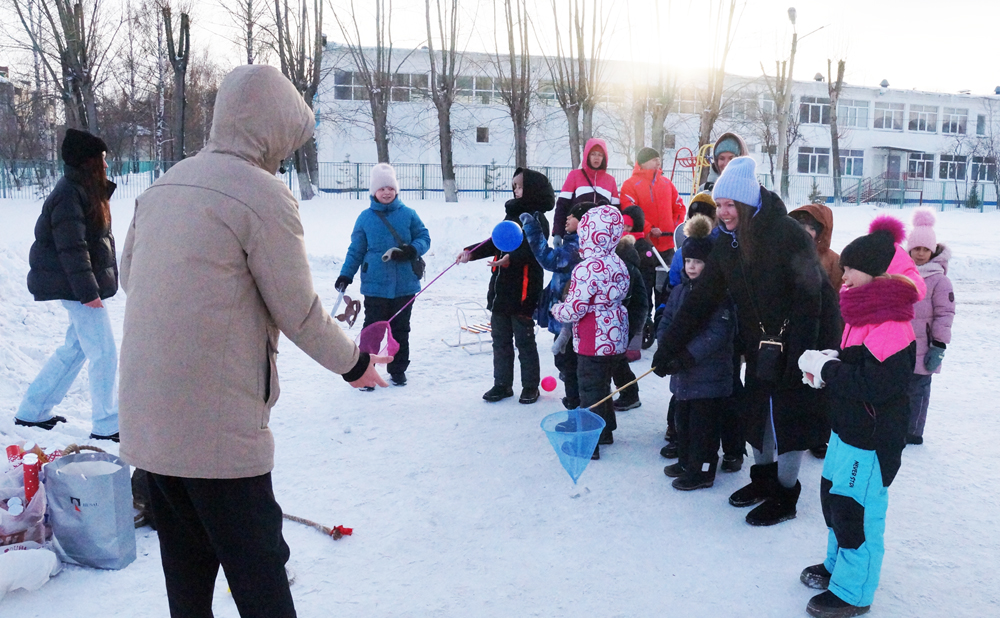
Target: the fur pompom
pixel 885 223
pixel 698 226
pixel 923 217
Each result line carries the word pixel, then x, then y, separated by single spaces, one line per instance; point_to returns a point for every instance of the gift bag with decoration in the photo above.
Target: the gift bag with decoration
pixel 90 510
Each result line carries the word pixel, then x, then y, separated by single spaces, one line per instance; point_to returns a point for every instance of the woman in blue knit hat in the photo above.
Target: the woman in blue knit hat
pixel 785 305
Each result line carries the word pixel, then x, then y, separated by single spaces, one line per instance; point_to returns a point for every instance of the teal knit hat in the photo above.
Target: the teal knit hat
pixel 739 182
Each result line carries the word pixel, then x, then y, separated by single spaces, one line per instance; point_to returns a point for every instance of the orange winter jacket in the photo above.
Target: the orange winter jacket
pixel 660 202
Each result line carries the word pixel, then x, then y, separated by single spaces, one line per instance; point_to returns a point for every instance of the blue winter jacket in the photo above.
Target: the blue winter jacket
pixel 560 262
pixel 712 349
pixel 677 264
pixel 371 239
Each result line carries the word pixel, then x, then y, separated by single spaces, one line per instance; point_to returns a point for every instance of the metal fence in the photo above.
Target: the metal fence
pixel 35 179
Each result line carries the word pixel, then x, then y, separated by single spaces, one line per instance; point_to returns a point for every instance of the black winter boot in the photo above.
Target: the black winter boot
pixel 498 393
pixel 528 395
pixel 763 478
pixel 816 577
pixel 627 401
pixel 732 463
pixel 46 425
pixel 697 479
pixel 674 471
pixel 828 605
pixel 778 508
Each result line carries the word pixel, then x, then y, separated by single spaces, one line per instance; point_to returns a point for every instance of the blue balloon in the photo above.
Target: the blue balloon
pixel 507 236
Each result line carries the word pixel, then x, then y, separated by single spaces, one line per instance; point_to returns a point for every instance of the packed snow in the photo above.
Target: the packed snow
pixel 460 507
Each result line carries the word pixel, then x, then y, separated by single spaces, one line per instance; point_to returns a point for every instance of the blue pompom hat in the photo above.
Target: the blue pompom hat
pixel 739 182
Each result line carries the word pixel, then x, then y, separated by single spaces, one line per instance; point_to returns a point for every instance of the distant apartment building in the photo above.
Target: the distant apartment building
pixel 895 145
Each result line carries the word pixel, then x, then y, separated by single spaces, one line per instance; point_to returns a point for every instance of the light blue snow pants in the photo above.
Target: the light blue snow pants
pixel 88 338
pixel 854 506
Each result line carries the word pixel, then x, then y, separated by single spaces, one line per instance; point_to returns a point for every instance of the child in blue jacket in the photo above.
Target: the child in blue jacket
pixel 388 278
pixel 869 409
pixel 702 376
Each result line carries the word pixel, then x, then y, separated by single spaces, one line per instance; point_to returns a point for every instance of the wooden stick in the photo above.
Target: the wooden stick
pixel 622 388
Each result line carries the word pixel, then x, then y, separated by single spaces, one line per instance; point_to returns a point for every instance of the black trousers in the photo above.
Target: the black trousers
pixel 594 376
pixel 235 523
pixel 379 309
pixel 731 419
pixel 622 374
pixel 508 331
pixel 698 434
pixel 566 364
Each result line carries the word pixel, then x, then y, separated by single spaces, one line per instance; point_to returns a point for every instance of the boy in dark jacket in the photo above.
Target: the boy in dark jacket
pixel 867 386
pixel 514 289
pixel 702 374
pixel 637 306
pixel 560 262
pixel 635 220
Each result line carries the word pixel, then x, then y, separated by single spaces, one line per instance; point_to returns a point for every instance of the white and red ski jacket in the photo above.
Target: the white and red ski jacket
pixel 585 185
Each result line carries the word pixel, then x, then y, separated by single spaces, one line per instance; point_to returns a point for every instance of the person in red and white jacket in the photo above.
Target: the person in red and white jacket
pixel 591 182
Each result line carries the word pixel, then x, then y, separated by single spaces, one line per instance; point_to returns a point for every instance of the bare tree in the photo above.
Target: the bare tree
pixel 834 88
pixel 443 84
pixel 375 73
pixel 300 49
pixel 513 73
pixel 989 144
pixel 577 72
pixel 722 43
pixel 178 56
pixel 249 19
pixel 72 44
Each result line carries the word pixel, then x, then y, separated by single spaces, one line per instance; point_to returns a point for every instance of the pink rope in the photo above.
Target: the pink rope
pixel 432 282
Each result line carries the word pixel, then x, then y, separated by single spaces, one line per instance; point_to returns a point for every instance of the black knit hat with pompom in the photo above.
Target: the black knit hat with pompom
pixel 78 146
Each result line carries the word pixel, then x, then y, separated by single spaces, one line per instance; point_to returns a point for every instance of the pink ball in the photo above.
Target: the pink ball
pixel 548 384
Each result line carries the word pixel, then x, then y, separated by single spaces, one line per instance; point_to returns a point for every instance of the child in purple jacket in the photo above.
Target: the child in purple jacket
pixel 932 317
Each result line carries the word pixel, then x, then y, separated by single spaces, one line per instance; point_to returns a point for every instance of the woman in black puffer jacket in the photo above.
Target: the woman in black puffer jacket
pixel 73 261
pixel 769 267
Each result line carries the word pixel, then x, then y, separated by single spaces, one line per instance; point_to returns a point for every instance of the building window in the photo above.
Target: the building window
pixel 954 120
pixel 852 113
pixel 920 165
pixel 482 135
pixel 814 110
pixel 349 86
pixel 771 150
pixel 984 168
pixel 889 116
pixel 767 106
pixel 852 162
pixel 814 160
pixel 980 125
pixel 923 118
pixel 546 91
pixel 738 108
pixel 952 167
pixel 688 102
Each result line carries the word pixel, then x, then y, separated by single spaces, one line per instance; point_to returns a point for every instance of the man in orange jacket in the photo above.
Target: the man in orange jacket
pixel 660 202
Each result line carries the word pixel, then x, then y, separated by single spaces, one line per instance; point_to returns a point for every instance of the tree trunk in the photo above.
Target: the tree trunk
pixel 834 89
pixel 302 171
pixel 381 133
pixel 587 128
pixel 575 147
pixel 638 123
pixel 521 140
pixel 447 159
pixel 179 110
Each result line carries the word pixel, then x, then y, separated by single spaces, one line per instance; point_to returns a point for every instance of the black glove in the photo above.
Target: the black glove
pixel 662 360
pixel 405 254
pixel 342 283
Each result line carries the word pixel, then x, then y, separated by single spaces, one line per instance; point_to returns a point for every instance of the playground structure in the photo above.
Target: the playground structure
pixel 695 162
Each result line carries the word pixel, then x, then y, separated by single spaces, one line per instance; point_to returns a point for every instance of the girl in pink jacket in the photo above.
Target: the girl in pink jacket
pixel 932 317
pixel 593 303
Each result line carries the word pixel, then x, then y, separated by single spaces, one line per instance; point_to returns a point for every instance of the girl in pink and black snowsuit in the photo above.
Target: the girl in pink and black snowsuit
pixel 593 303
pixel 933 317
pixel 591 182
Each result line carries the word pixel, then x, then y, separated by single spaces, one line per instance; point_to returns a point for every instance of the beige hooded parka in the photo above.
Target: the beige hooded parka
pixel 214 265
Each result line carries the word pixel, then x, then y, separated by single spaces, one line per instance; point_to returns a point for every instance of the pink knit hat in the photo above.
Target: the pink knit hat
pixel 922 234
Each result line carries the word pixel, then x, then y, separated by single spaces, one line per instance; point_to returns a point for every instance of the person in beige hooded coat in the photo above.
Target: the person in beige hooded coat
pixel 214 266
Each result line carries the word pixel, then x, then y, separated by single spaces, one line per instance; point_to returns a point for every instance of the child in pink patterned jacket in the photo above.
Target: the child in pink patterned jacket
pixel 593 303
pixel 933 317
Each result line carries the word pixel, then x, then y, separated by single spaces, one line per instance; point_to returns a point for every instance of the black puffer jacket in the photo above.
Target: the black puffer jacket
pixel 515 288
pixel 781 280
pixel 70 260
pixel 636 301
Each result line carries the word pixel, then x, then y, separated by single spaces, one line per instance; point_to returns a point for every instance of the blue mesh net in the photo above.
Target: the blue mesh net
pixel 574 435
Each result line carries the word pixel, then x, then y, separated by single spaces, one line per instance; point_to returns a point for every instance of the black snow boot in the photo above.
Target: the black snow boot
pixel 627 401
pixel 46 425
pixel 670 451
pixel 498 393
pixel 697 479
pixel 816 577
pixel 732 463
pixel 674 471
pixel 828 605
pixel 763 478
pixel 528 395
pixel 778 508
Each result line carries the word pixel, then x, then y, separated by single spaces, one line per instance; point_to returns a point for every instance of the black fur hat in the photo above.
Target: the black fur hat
pixel 698 244
pixel 581 209
pixel 78 146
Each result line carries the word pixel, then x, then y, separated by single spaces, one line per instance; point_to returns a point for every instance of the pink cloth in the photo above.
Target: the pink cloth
pixel 935 313
pixel 597 288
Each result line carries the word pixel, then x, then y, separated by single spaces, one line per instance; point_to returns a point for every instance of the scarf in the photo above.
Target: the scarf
pixel 882 300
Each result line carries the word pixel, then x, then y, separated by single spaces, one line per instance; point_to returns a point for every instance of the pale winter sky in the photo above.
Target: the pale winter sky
pixel 937 45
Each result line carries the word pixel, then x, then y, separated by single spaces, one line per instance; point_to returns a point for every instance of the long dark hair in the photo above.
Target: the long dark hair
pixel 95 185
pixel 747 224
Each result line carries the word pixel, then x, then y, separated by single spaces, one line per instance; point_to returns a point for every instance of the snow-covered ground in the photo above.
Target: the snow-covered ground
pixel 460 508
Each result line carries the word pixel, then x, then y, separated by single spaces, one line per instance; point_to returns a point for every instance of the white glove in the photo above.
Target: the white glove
pixel 387 256
pixel 811 363
pixel 556 242
pixel 559 345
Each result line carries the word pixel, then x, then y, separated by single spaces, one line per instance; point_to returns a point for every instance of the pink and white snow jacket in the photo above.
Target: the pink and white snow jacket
pixel 585 185
pixel 935 313
pixel 597 288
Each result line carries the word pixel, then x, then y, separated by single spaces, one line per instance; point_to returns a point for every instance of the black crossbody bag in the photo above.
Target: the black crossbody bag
pixel 418 264
pixel 771 349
